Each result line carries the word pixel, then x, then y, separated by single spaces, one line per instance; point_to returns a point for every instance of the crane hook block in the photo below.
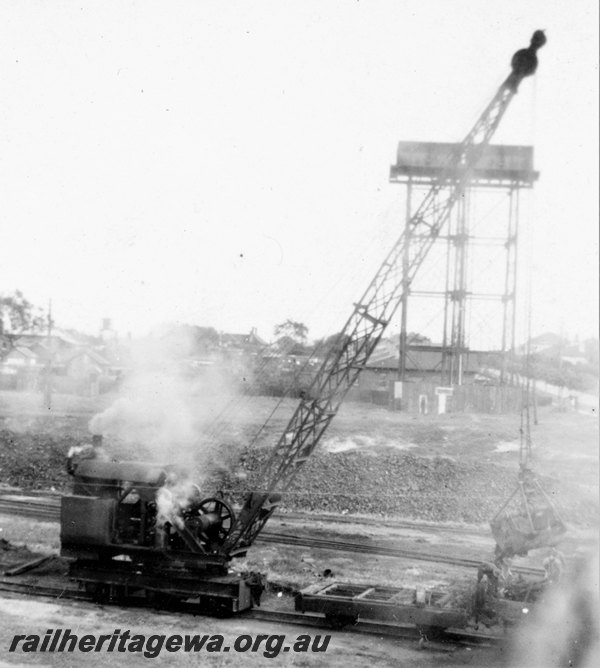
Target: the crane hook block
pixel 524 63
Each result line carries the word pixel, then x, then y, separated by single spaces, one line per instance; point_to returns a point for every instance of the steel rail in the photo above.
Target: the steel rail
pixel 384 551
pixel 53 501
pixel 39 510
pixel 406 632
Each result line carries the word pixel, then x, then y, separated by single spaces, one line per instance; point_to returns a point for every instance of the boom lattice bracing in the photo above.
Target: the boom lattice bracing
pixel 373 312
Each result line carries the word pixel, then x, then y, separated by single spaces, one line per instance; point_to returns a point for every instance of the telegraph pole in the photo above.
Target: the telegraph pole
pixel 48 383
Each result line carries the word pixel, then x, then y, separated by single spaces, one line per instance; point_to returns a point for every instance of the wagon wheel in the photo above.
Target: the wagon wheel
pixel 339 621
pixel 97 590
pixel 428 632
pixel 216 606
pixel 220 509
pixel 102 592
pixel 159 599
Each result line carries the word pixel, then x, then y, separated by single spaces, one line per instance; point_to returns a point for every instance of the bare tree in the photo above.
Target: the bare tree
pixel 297 331
pixel 18 316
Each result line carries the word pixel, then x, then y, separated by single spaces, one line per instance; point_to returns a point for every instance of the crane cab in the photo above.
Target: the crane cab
pixel 128 532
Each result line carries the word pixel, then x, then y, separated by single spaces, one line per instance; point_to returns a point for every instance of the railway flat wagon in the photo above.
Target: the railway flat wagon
pixel 344 604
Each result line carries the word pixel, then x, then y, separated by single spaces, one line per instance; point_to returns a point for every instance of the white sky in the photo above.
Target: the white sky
pixel 226 163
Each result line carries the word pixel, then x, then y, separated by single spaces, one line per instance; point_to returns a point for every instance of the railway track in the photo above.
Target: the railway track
pixel 49 510
pixel 404 632
pixel 413 525
pixel 326 518
pixel 384 551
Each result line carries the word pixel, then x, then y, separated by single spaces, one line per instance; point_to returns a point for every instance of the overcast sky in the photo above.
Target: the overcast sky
pixel 226 163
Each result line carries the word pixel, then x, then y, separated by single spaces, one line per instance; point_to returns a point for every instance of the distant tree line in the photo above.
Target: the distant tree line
pixel 575 372
pixel 18 316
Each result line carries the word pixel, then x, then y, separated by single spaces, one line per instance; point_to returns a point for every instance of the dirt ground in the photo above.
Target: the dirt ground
pixel 374 464
pixel 26 616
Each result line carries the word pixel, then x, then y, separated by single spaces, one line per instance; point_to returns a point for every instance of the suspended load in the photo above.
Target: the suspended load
pixel 528 520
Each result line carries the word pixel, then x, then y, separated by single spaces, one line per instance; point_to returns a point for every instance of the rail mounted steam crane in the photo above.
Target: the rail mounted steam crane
pixel 113 526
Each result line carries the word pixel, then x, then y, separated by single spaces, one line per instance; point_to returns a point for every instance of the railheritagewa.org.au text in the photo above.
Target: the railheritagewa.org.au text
pixel 151 646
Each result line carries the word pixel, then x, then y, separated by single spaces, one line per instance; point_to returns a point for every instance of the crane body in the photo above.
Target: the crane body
pixel 141 539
